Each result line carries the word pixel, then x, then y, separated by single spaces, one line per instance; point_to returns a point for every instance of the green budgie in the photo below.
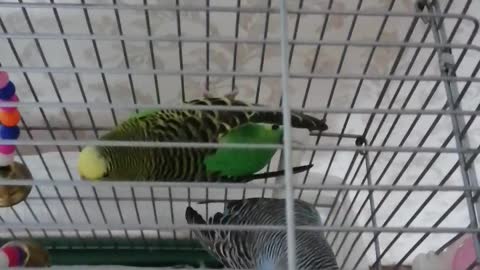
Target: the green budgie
pixel 191 164
pixel 263 249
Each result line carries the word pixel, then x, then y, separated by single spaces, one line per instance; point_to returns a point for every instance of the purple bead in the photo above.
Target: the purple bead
pixel 7 92
pixel 9 133
pixel 22 256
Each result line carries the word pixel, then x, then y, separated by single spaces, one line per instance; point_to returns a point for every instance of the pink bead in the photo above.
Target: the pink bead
pixel 464 256
pixel 7 149
pixel 14 98
pixel 3 79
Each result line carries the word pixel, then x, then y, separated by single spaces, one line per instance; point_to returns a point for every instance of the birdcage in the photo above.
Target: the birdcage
pixel 396 81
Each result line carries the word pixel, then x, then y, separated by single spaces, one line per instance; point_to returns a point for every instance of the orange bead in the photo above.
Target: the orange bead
pixel 9 118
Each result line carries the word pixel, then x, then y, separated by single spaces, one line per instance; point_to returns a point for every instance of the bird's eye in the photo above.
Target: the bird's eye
pixel 275 127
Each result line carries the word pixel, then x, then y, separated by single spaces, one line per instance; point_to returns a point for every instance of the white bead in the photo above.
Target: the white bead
pixel 6 160
pixel 3 260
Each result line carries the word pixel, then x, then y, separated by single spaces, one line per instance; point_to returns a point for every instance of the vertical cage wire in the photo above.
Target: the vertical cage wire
pixel 287 141
pixel 341 44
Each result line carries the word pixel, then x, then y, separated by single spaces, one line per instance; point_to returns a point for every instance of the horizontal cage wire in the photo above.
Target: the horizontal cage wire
pixel 393 178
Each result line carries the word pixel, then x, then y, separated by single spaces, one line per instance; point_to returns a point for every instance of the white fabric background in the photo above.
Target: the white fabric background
pixel 248 57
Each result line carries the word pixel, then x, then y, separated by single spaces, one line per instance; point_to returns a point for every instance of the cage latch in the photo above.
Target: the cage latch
pixel 447 62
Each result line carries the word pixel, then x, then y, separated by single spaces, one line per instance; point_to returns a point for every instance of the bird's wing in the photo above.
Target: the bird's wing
pixel 236 118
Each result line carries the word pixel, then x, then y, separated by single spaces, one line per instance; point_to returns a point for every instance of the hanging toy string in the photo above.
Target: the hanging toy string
pixel 9 118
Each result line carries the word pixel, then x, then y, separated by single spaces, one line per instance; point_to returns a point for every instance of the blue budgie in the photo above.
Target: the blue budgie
pixel 261 249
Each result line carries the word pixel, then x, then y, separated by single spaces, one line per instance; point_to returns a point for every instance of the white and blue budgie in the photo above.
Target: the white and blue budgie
pixel 262 249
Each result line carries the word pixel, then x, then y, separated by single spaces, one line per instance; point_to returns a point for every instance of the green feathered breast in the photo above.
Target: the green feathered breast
pixel 201 164
pixel 239 162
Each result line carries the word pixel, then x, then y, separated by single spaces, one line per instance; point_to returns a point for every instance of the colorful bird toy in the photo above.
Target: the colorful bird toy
pixel 9 130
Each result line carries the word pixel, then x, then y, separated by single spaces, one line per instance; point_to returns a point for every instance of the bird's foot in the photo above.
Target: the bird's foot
pixel 231 96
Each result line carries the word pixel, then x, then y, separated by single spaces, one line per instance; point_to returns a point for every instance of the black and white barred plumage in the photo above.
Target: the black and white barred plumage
pixel 261 249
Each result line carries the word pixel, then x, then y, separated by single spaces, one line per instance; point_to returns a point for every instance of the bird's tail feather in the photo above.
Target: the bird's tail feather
pixel 193 217
pixel 299 120
pixel 295 170
pixel 214 201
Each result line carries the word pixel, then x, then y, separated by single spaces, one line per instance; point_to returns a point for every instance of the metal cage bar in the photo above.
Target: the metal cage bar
pixel 375 161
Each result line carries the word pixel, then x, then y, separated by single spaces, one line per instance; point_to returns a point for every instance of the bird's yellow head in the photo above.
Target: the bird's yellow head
pixel 91 164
